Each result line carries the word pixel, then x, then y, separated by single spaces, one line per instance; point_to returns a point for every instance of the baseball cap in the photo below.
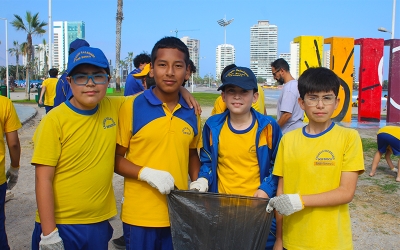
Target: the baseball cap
pixel 144 72
pixel 239 76
pixel 87 55
pixel 76 44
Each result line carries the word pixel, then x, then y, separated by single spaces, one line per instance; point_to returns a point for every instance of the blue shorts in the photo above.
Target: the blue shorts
pixel 147 238
pixel 3 235
pixel 79 236
pixel 386 140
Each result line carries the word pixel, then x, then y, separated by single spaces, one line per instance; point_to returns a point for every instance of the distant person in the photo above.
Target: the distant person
pixel 239 145
pixel 49 90
pixel 9 124
pixel 132 85
pixel 388 139
pixel 220 105
pixel 289 114
pixel 318 167
pixel 63 90
pixel 386 97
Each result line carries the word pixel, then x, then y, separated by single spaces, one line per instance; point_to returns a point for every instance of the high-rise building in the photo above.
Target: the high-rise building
pixel 194 51
pixel 225 55
pixel 294 59
pixel 327 59
pixel 41 54
pixel 64 33
pixel 263 48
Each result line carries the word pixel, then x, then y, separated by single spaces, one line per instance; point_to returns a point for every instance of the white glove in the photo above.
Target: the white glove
pixel 12 177
pixel 394 170
pixel 201 185
pixel 161 180
pixel 52 241
pixel 285 204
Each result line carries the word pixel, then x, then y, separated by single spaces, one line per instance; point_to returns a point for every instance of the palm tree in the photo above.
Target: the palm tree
pixel 119 18
pixel 129 60
pixel 15 52
pixel 24 51
pixel 45 67
pixel 38 49
pixel 32 27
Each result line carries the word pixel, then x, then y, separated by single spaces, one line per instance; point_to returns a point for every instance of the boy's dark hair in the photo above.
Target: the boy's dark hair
pixel 53 72
pixel 170 42
pixel 280 63
pixel 230 66
pixel 314 80
pixel 192 70
pixel 140 59
pixel 150 81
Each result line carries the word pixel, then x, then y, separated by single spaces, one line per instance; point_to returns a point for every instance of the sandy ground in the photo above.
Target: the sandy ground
pixel 375 209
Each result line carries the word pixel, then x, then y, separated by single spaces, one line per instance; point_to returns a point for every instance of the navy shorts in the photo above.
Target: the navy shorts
pixel 144 238
pixel 79 236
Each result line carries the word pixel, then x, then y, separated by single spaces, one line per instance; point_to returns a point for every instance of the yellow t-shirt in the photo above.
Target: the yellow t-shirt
pixel 50 84
pixel 9 122
pixel 81 146
pixel 391 130
pixel 313 164
pixel 259 105
pixel 238 173
pixel 159 139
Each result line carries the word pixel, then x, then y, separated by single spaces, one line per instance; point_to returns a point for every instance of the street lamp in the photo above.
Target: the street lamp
pixel 382 29
pixel 7 83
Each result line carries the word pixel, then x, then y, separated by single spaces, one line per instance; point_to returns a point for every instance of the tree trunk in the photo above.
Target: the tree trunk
pixel 28 67
pixel 119 19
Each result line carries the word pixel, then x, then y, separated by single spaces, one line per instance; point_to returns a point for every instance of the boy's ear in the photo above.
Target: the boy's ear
pixel 256 95
pixel 301 103
pixel 151 70
pixel 337 102
pixel 68 80
pixel 187 76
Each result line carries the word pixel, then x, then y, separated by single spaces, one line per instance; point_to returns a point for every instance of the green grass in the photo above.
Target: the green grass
pixel 369 144
pixel 386 187
pixel 206 99
pixel 32 101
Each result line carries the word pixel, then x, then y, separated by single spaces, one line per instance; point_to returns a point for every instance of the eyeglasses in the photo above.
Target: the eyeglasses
pixel 82 80
pixel 314 100
pixel 276 71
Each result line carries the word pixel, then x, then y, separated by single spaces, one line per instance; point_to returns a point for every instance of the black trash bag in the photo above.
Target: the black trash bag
pixel 218 221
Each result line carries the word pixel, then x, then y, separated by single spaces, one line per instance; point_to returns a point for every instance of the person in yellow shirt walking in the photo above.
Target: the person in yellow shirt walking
pixel 49 90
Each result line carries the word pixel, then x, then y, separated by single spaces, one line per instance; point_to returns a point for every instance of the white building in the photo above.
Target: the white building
pixel 263 48
pixel 41 53
pixel 327 59
pixel 294 59
pixel 225 55
pixel 194 51
pixel 64 33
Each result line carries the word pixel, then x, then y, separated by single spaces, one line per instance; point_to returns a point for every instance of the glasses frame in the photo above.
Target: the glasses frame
pixel 90 77
pixel 276 71
pixel 306 99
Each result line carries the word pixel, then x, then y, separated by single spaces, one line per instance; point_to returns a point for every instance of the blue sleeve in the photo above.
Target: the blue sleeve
pixel 61 92
pixel 270 183
pixel 132 86
pixel 206 156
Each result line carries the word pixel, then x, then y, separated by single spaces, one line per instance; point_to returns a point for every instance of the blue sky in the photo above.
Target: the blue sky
pixel 146 21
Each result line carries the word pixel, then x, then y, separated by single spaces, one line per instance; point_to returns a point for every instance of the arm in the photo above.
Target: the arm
pixel 45 197
pixel 41 94
pixel 284 118
pixel 123 166
pixel 279 219
pixel 14 148
pixel 190 100
pixel 194 164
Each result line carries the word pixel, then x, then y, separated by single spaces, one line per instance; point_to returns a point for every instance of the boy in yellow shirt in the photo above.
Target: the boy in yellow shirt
pixel 318 166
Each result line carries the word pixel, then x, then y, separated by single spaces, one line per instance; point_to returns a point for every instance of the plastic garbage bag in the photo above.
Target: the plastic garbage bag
pixel 218 221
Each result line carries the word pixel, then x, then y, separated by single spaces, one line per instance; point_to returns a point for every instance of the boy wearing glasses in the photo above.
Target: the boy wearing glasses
pixel 289 114
pixel 318 166
pixel 74 148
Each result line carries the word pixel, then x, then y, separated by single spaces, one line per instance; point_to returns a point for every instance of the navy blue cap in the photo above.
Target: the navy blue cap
pixel 88 55
pixel 239 76
pixel 78 43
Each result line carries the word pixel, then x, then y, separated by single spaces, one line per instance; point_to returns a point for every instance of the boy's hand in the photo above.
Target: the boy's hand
pixel 261 194
pixel 163 181
pixel 201 185
pixel 52 241
pixel 286 204
pixel 190 100
pixel 12 177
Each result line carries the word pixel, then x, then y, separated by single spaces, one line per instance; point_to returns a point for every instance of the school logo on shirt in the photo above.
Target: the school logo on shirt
pixel 324 158
pixel 108 122
pixel 186 131
pixel 252 149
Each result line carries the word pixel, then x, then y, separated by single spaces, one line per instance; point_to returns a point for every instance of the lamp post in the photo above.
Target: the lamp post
pixel 7 83
pixel 382 29
pixel 223 22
